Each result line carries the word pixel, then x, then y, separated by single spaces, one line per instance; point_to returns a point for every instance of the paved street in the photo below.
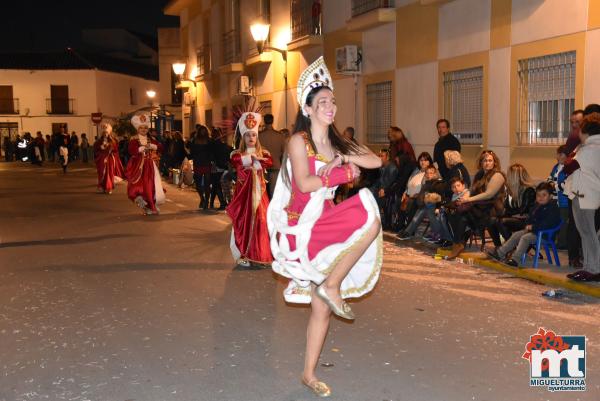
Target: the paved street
pixel 98 302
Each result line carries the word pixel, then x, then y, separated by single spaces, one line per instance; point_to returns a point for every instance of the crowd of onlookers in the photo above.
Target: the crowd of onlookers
pixel 40 148
pixel 507 206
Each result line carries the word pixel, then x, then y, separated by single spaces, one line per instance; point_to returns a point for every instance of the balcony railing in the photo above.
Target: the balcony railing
pixel 360 7
pixel 231 47
pixel 305 18
pixel 60 106
pixel 203 60
pixel 9 106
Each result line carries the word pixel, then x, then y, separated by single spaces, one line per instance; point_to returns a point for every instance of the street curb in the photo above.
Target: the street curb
pixel 536 275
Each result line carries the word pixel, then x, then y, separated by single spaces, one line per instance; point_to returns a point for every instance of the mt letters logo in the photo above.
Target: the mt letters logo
pixel 556 362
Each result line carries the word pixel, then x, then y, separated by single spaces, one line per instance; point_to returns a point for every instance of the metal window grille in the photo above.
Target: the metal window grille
pixel 546 98
pixel 305 18
pixel 364 6
pixel 463 104
pixel 203 60
pixel 379 111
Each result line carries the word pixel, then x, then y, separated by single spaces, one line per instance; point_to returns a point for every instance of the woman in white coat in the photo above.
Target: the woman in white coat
pixel 583 187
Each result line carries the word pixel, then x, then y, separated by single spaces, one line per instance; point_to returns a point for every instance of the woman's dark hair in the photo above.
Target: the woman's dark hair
pixel 202 134
pixel 591 124
pixel 591 108
pixel 302 124
pixel 427 156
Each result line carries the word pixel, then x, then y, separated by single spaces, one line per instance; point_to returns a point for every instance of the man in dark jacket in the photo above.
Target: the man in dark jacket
pixel 382 188
pixel 545 215
pixel 446 141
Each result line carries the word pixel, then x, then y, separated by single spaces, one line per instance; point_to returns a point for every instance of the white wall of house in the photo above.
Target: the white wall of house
pixel 539 19
pixel 113 93
pixel 91 90
pixel 464 27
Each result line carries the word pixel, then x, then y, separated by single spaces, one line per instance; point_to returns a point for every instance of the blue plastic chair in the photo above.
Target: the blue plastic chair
pixel 547 243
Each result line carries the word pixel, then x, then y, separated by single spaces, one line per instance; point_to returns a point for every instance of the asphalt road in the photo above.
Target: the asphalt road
pixel 98 302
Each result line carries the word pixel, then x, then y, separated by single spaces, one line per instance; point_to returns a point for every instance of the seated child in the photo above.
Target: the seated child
pixel 432 192
pixel 544 215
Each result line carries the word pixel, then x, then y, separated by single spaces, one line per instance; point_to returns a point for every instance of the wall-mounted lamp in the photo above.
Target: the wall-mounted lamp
pixel 150 93
pixel 179 69
pixel 260 32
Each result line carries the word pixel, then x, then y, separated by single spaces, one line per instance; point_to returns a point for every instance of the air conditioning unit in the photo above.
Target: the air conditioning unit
pixel 244 85
pixel 348 60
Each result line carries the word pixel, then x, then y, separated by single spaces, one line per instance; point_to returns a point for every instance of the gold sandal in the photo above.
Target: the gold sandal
pixel 319 388
pixel 343 310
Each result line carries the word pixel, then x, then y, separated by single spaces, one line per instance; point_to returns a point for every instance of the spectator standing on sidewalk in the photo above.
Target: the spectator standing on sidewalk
pixel 200 152
pixel 85 147
pixel 221 153
pixel 583 187
pixel 446 141
pixel 273 140
pixel 74 147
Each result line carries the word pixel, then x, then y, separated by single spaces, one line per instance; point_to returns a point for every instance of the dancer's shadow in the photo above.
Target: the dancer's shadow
pixel 63 241
pixel 243 328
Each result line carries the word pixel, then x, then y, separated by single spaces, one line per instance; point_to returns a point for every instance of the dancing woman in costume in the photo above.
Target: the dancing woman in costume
pixel 248 207
pixel 108 163
pixel 329 252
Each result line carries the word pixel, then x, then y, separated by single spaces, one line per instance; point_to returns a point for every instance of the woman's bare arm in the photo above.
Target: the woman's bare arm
pixel 366 159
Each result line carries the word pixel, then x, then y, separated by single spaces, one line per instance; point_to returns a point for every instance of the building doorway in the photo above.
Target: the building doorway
pixel 8 132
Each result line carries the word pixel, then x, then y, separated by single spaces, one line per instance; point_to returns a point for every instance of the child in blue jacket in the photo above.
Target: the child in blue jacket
pixel 558 177
pixel 545 215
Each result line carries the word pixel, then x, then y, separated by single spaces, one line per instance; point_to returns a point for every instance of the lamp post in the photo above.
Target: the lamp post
pixel 150 93
pixel 179 70
pixel 260 33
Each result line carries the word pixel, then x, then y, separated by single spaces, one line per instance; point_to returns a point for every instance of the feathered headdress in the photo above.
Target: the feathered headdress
pixel 245 118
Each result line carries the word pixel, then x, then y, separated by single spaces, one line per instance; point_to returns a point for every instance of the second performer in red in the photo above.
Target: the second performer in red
pixel 250 242
pixel 108 163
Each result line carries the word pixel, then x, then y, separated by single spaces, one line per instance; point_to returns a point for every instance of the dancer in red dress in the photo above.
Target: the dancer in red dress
pixel 248 208
pixel 144 185
pixel 108 163
pixel 329 252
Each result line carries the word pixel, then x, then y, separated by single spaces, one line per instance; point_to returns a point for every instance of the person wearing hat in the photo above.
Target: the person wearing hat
pixel 329 252
pixel 248 207
pixel 144 185
pixel 108 163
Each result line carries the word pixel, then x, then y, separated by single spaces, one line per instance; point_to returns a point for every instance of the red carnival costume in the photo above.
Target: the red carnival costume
pixel 144 185
pixel 248 208
pixel 108 163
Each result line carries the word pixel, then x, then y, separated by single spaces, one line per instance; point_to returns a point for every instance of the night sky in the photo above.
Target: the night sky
pixel 34 26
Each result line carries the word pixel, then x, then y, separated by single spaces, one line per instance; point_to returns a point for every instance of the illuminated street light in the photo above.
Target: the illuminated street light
pixel 260 32
pixel 150 93
pixel 178 68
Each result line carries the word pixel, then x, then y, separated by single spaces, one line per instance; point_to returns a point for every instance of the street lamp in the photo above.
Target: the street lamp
pixel 150 93
pixel 260 32
pixel 179 69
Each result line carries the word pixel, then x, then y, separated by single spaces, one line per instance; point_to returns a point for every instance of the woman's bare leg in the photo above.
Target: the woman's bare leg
pixel 333 282
pixel 318 325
